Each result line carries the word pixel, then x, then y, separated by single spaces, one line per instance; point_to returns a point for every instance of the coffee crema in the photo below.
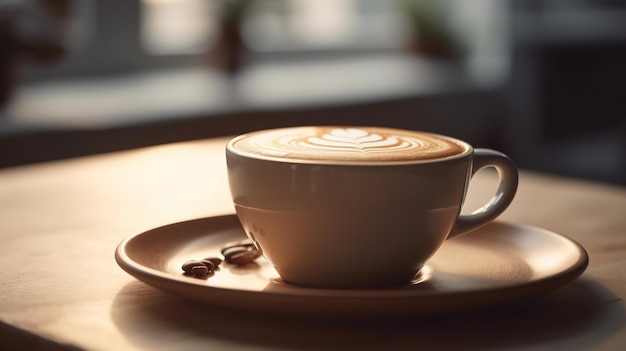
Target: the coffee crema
pixel 347 144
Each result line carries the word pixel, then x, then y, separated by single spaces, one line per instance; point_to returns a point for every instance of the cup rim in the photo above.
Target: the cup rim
pixel 230 148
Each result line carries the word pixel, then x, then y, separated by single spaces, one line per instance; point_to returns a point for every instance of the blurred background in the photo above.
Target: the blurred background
pixel 544 81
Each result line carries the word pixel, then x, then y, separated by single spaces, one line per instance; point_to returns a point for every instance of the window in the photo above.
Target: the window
pixel 105 37
pixel 170 27
pixel 121 36
pixel 292 25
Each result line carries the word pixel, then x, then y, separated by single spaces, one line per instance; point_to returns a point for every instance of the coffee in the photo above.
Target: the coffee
pixel 320 202
pixel 348 144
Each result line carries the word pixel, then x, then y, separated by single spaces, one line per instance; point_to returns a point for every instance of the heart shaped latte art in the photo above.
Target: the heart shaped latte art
pixel 349 144
pixel 357 139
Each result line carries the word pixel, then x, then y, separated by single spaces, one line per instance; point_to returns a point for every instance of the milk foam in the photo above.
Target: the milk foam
pixel 348 144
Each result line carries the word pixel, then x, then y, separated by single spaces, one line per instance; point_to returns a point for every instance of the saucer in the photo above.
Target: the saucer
pixel 499 262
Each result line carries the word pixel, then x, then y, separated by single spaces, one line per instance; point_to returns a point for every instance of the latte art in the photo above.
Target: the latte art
pixel 348 144
pixel 357 140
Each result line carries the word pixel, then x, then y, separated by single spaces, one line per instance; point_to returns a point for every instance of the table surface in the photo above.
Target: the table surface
pixel 61 221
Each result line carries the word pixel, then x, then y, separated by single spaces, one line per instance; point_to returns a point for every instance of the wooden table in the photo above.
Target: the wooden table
pixel 60 223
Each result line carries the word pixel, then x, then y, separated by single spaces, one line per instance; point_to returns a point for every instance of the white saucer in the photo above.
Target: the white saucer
pixel 497 263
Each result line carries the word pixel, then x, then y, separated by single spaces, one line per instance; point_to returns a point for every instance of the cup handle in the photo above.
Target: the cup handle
pixel 507 187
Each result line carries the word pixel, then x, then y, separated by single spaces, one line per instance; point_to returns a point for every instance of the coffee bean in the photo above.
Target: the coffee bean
pixel 245 244
pixel 243 257
pixel 188 266
pixel 248 246
pixel 239 253
pixel 208 264
pixel 233 251
pixel 199 271
pixel 227 251
pixel 215 260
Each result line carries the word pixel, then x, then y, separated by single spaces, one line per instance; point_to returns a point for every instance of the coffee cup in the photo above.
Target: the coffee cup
pixel 357 207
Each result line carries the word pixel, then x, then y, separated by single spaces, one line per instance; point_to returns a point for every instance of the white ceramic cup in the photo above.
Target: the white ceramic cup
pixel 357 207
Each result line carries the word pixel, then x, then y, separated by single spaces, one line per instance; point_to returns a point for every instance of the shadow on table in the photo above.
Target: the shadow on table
pixel 153 319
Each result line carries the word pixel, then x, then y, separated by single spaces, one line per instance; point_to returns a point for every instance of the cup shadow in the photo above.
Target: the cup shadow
pixel 155 319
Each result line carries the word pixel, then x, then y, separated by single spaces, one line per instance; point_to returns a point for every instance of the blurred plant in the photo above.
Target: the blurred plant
pixel 229 49
pixel 235 8
pixel 431 35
